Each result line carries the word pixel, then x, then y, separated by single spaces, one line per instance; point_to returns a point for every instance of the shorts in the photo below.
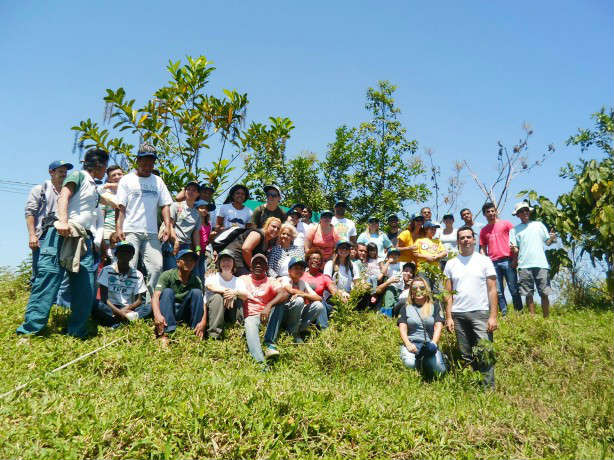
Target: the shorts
pixel 527 277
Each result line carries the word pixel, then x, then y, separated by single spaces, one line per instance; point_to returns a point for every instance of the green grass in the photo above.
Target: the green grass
pixel 344 394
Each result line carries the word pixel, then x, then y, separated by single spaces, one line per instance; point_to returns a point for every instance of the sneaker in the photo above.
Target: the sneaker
pixel 271 352
pixel 132 316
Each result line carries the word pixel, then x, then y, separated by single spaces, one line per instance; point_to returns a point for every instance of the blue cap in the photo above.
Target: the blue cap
pixel 124 246
pixel 297 261
pixel 343 243
pixel 58 163
pixel 393 250
pixel 429 224
pixel 185 252
pixel 417 216
pixel 372 219
pixel 210 206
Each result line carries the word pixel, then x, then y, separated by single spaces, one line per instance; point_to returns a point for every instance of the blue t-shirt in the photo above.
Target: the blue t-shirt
pixel 529 239
pixel 380 239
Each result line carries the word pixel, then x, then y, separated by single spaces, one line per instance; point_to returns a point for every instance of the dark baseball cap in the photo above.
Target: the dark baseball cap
pixel 56 164
pixel 297 261
pixel 186 252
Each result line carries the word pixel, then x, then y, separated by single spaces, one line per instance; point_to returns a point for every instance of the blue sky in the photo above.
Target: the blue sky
pixel 468 74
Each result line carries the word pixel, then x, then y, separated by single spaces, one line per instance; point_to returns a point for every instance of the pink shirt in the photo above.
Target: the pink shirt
pixel 326 243
pixel 205 231
pixel 263 291
pixel 496 239
pixel 319 283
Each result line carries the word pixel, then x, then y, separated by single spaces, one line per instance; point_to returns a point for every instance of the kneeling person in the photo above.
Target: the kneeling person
pixel 179 296
pixel 121 289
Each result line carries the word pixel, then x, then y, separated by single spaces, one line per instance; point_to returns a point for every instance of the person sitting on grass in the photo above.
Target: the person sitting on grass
pixel 341 269
pixel 301 309
pixel 179 296
pixel 224 294
pixel 263 294
pixel 121 290
pixel 420 324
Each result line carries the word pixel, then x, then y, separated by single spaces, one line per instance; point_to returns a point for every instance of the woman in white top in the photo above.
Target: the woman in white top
pixel 448 238
pixel 225 292
pixel 341 269
pixel 233 213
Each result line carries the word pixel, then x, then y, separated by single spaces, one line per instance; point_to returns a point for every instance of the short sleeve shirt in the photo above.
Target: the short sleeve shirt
pixel 286 281
pixel 427 246
pixel 83 204
pixel 468 276
pixel 235 283
pixel 380 239
pixel 261 214
pixel 405 240
pixel 418 326
pixel 319 283
pixel 496 239
pixel 263 291
pixel 122 287
pixel 530 239
pixel 170 279
pixel 343 277
pixel 186 219
pixel 345 228
pixel 234 217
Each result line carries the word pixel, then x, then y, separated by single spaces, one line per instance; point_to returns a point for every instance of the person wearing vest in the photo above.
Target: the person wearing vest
pixel 77 214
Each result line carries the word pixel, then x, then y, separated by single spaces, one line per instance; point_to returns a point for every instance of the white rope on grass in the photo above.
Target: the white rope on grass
pixel 63 366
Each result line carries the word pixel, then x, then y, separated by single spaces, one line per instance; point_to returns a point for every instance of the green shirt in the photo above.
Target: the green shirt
pixel 170 279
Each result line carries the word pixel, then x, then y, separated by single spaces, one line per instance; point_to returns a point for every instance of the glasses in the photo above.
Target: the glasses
pixel 418 289
pixel 272 195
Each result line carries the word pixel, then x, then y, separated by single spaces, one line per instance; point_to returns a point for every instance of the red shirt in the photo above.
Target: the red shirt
pixel 263 291
pixel 496 238
pixel 318 283
pixel 326 243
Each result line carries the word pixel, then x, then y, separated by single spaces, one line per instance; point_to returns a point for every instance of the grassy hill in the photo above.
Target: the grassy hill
pixel 343 394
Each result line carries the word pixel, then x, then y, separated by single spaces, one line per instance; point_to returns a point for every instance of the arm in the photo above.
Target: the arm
pixel 282 296
pixel 250 243
pixel 180 196
pixel 493 298
pixel 403 333
pixel 449 299
pixel 166 217
pixel 159 320
pixel 437 332
pixel 382 287
pixel 62 224
pixel 137 302
pixel 33 243
pixel 514 255
pixel 219 224
pixel 308 240
pixel 120 216
pixel 196 238
pixel 104 296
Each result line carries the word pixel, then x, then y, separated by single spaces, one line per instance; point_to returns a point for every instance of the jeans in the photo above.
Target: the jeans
pixel 168 257
pixel 104 315
pixel 431 366
pixel 294 315
pixel 504 269
pixel 252 328
pixel 35 255
pixel 47 283
pixel 218 315
pixel 147 245
pixel 322 318
pixel 389 300
pixel 190 310
pixel 470 328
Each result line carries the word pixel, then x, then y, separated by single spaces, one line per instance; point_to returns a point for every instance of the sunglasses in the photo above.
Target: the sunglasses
pixel 418 289
pixel 272 195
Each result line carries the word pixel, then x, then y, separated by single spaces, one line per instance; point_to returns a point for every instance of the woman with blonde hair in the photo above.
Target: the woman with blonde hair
pixel 420 324
pixel 284 250
pixel 253 241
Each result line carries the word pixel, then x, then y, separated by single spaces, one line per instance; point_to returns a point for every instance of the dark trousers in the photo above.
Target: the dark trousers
pixel 218 315
pixel 190 310
pixel 105 317
pixel 470 328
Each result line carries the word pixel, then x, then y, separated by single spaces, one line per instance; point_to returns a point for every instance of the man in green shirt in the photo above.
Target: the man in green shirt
pixel 179 296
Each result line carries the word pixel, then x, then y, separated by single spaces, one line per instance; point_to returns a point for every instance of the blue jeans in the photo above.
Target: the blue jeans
pixel 47 283
pixel 322 318
pixel 431 366
pixel 504 269
pixel 104 315
pixel 252 328
pixel 190 310
pixel 294 315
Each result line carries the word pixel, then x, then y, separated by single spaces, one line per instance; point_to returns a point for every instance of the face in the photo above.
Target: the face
pixel 418 291
pixel 285 237
pixel 353 253
pixel 491 214
pixel 524 215
pixel 407 274
pixel 430 232
pixel 306 215
pixel 296 271
pixel 191 193
pixel 59 173
pixel 343 250
pixel 426 213
pixel 272 197
pixel 203 211
pixel 362 252
pixel 372 253
pixel 114 176
pixel 340 211
pixel 259 267
pixel 100 171
pixel 315 262
pixel 395 257
pixel 273 229
pixel 326 219
pixel 373 227
pixel 393 224
pixel 448 222
pixel 186 263
pixel 206 194
pixel 418 223
pixel 467 216
pixel 124 256
pixel 294 217
pixel 466 241
pixel 145 166
pixel 226 264
pixel 239 196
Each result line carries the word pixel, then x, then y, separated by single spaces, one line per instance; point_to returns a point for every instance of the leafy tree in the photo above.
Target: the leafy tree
pixel 181 121
pixel 304 184
pixel 337 166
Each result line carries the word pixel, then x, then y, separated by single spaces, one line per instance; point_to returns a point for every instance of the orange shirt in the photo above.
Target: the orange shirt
pixel 405 239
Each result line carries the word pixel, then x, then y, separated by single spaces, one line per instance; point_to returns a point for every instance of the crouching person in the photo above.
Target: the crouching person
pixel 179 296
pixel 301 309
pixel 263 294
pixel 225 292
pixel 420 324
pixel 121 290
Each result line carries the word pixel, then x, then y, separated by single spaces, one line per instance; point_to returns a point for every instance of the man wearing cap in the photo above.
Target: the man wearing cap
pixel 185 226
pixel 374 235
pixel 345 228
pixel 179 296
pixel 67 246
pixel 41 204
pixel 121 290
pixel 270 208
pixel 393 229
pixel 527 241
pixel 428 216
pixel 139 195
pixel 495 243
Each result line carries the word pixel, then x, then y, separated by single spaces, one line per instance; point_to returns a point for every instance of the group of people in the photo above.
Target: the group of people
pixel 124 249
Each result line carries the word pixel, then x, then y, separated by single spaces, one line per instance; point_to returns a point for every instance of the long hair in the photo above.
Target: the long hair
pixel 347 263
pixel 412 228
pixel 427 308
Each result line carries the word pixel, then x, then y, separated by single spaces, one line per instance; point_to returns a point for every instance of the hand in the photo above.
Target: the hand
pixel 492 326
pixel 395 278
pixel 514 263
pixel 229 294
pixel 264 315
pixel 199 330
pixel 33 243
pixel 450 324
pixel 120 236
pixel 165 235
pixel 412 348
pixel 63 228
pixel 160 322
pixel 176 247
pixel 345 296
pixel 294 297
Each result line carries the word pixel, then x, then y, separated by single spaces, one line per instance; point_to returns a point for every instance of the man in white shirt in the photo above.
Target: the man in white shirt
pixel 139 194
pixel 345 228
pixel 471 311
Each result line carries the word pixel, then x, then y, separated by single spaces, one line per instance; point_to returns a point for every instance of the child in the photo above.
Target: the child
pixel 204 208
pixel 392 269
pixel 374 272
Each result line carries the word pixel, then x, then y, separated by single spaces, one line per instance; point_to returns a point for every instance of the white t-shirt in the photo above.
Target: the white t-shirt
pixel 396 269
pixel 234 217
pixel 343 278
pixel 344 227
pixel 123 288
pixel 142 196
pixel 216 280
pixel 449 240
pixel 301 229
pixel 302 286
pixel 468 275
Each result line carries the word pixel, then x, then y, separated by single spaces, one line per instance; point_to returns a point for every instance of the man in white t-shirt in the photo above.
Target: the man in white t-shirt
pixel 345 228
pixel 139 195
pixel 471 311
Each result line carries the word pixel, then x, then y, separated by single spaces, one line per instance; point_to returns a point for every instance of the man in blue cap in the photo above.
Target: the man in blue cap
pixel 139 195
pixel 41 206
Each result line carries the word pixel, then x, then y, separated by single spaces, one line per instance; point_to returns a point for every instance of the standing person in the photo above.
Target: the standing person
pixel 294 217
pixel 205 210
pixel 234 213
pixel 77 213
pixel 428 216
pixel 306 215
pixel 270 208
pixel 471 311
pixel 527 240
pixel 374 235
pixel 344 227
pixel 185 226
pixel 139 195
pixel 121 290
pixel 495 243
pixel 285 250
pixel 322 236
pixel 467 217
pixel 407 238
pixel 393 229
pixel 179 297
pixel 429 248
pixel 114 175
pixel 448 234
pixel 41 207
pixel 341 269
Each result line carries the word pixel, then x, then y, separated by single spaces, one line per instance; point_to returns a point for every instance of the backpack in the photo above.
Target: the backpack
pixel 227 237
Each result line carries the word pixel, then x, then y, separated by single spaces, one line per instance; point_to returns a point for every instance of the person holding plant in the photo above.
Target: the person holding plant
pixel 420 324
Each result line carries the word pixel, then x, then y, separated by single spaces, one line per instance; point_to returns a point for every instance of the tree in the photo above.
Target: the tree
pixel 449 200
pixel 337 166
pixel 181 121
